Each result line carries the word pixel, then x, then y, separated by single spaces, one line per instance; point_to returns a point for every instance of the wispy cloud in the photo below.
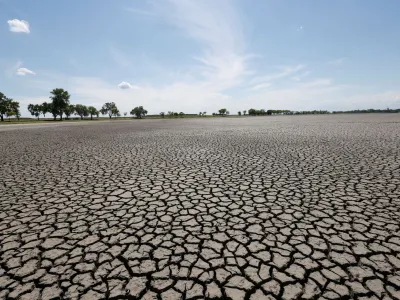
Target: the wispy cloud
pixel 119 57
pixel 260 86
pixel 217 28
pixel 338 61
pixel 281 73
pixel 319 93
pixel 140 11
pixel 317 83
pixel 222 70
pixel 10 68
pixel 301 76
pixel 177 97
pixel 24 71
pixel 18 26
pixel 74 63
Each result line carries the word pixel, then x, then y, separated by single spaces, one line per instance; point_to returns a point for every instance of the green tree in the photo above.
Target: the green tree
pixel 93 112
pixel 10 114
pixel 139 112
pixel 252 112
pixel 69 110
pixel 7 105
pixel 125 113
pixel 162 114
pixel 35 110
pixel 239 113
pixel 3 105
pixel 15 109
pixel 109 108
pixel 244 112
pixel 223 111
pixel 200 114
pixel 204 113
pixel 115 112
pixel 60 101
pixel 18 113
pixel 53 111
pixel 181 114
pixel 81 110
pixel 45 108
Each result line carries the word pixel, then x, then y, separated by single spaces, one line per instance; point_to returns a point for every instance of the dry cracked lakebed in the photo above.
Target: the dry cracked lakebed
pixel 287 207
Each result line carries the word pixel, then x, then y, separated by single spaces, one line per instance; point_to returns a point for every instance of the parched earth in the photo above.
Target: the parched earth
pixel 296 207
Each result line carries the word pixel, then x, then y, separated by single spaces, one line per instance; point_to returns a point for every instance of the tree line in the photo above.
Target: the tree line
pixel 172 114
pixel 367 111
pixel 261 112
pixel 269 112
pixel 60 106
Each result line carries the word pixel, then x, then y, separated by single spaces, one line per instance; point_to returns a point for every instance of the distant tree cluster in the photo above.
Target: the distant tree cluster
pixel 223 112
pixel 257 112
pixel 139 112
pixel 310 112
pixel 60 106
pixel 110 109
pixel 173 114
pixel 263 112
pixel 8 107
pixel 367 111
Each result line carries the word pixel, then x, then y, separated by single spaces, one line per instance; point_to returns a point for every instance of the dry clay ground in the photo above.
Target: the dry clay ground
pixel 296 207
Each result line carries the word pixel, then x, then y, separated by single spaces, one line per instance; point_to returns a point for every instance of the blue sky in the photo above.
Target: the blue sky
pixel 193 56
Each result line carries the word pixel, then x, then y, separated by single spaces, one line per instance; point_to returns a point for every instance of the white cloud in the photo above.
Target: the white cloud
pixel 319 93
pixel 189 98
pixel 216 26
pixel 301 28
pixel 126 85
pixel 220 74
pixel 24 71
pixel 18 26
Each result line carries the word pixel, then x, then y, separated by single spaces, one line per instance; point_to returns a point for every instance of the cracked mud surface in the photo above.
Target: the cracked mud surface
pixel 301 207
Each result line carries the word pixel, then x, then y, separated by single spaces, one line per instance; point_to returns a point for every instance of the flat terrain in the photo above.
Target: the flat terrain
pixel 291 207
